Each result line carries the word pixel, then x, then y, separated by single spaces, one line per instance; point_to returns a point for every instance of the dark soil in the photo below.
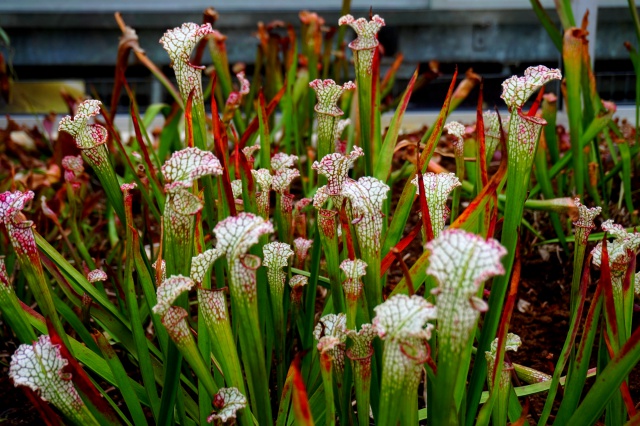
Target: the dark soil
pixel 544 324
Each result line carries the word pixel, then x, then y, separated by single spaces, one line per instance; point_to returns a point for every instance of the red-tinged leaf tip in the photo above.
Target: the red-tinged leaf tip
pixel 507 312
pixel 487 193
pixel 605 278
pixel 301 408
pixel 220 144
pixel 393 69
pixel 388 260
pixel 435 135
pixel 536 104
pixel 255 123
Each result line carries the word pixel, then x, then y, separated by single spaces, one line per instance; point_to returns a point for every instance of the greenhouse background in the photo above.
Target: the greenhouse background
pixel 74 40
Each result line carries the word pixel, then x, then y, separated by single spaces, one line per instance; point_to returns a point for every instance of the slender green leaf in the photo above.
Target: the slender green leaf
pixel 608 382
pixel 122 379
pixel 383 164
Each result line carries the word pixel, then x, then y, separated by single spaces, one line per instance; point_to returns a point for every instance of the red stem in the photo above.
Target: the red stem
pixel 346 231
pixel 188 118
pixel 422 195
pixel 405 270
pixel 220 143
pixel 536 103
pixel 401 246
pixel 255 123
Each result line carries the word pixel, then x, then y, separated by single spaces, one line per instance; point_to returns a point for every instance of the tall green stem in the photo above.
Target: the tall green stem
pixel 276 255
pixel 175 320
pixel 360 353
pixel 524 132
pixel 236 235
pixel 365 99
pixel 364 49
pixel 326 369
pixel 328 231
pixel 131 299
pixel 241 277
pixel 223 345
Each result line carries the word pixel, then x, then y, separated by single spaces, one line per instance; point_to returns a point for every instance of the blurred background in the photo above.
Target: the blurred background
pixel 74 43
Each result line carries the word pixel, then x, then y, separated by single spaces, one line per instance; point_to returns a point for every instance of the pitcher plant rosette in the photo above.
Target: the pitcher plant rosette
pixel 284 247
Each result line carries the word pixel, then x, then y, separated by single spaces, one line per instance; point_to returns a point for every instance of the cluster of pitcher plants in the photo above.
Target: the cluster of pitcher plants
pixel 237 268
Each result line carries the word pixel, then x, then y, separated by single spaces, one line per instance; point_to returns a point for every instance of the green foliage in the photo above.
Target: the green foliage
pixel 174 277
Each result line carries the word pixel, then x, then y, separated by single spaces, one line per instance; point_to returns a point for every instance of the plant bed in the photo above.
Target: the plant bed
pixel 227 267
